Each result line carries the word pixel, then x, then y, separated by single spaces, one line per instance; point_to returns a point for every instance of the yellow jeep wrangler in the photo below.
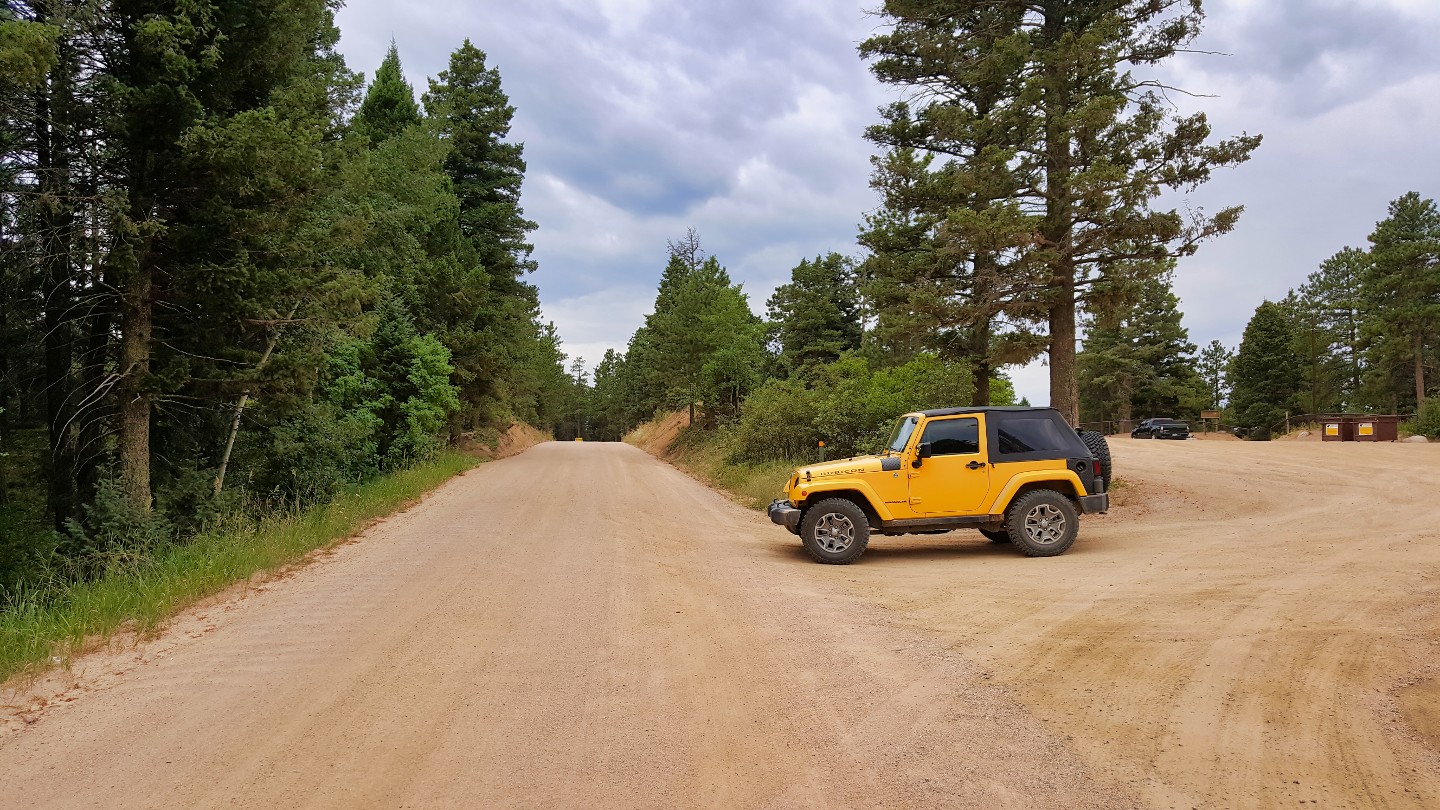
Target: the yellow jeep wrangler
pixel 1019 475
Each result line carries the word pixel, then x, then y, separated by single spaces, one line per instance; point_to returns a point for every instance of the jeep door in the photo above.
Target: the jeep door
pixel 955 478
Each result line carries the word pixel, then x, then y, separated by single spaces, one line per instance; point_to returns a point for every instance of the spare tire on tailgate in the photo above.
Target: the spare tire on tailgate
pixel 1100 449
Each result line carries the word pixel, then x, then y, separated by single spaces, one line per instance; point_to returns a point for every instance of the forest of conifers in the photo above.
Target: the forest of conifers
pixel 235 277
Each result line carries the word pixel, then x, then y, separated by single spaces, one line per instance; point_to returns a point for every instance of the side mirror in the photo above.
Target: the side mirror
pixel 924 451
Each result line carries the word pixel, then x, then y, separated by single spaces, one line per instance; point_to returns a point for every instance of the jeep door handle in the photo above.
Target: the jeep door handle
pixel 976 465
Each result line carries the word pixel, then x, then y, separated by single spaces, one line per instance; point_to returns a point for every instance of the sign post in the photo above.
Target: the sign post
pixel 1206 417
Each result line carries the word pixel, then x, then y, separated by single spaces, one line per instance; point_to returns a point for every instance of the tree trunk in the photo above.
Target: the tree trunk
pixel 56 228
pixel 4 406
pixel 94 368
pixel 1064 389
pixel 1058 228
pixel 245 398
pixel 136 325
pixel 1419 372
pixel 980 356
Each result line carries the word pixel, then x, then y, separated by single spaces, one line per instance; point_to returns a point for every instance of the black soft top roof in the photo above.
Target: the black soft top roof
pixel 989 409
pixel 1014 437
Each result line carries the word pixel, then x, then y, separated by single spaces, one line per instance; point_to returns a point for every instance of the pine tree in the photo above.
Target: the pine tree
pixel 389 107
pixel 217 141
pixel 1214 368
pixel 1078 143
pixel 1265 375
pixel 949 269
pixel 701 344
pixel 816 317
pixel 1142 359
pixel 1327 311
pixel 1402 292
pixel 474 117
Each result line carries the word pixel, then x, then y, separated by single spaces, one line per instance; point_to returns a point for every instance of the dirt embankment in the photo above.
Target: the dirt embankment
pixel 659 434
pixel 515 440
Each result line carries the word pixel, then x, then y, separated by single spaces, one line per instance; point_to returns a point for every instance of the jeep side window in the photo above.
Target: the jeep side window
pixel 1030 435
pixel 953 437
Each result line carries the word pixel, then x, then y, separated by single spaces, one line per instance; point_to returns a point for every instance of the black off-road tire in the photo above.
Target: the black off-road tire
pixel 1100 449
pixel 996 535
pixel 1042 523
pixel 835 532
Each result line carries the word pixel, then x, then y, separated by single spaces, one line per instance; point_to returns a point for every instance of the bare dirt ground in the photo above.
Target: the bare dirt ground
pixel 584 626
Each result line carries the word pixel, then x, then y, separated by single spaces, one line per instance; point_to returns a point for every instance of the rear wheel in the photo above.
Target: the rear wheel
pixel 1042 523
pixel 835 532
pixel 1100 449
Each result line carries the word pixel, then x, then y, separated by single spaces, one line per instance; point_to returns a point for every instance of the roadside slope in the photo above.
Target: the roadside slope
pixel 579 625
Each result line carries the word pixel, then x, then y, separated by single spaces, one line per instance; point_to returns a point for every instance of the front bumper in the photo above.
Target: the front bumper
pixel 783 514
pixel 1092 504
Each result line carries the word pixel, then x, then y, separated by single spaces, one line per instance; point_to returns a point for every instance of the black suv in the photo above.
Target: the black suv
pixel 1161 429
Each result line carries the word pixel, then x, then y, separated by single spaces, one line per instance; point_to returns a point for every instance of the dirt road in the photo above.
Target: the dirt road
pixel 579 626
pixel 583 626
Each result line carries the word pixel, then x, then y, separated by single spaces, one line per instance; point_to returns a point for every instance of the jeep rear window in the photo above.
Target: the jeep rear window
pixel 900 436
pixel 953 437
pixel 1032 435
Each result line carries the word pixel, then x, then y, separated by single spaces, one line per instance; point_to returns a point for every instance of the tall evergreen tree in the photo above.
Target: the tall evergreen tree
pixel 950 270
pixel 1093 144
pixel 1402 293
pixel 1140 360
pixel 1265 375
pixel 816 317
pixel 389 107
pixel 701 344
pixel 1328 311
pixel 1214 367
pixel 474 117
pixel 495 308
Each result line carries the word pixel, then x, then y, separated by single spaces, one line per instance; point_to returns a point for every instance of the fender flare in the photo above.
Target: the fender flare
pixel 818 490
pixel 1016 482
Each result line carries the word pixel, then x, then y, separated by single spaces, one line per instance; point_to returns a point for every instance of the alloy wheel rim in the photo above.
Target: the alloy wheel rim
pixel 1045 524
pixel 834 532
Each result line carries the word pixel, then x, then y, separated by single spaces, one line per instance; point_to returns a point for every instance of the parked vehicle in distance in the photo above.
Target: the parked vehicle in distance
pixel 1161 428
pixel 1018 475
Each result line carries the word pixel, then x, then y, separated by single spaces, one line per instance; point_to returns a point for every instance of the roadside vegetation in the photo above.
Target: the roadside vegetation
pixel 136 592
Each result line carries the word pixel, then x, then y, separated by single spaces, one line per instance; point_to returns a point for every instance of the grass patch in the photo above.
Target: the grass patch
pixel 63 619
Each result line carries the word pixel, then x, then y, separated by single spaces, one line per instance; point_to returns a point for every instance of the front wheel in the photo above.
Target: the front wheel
pixel 1042 523
pixel 835 532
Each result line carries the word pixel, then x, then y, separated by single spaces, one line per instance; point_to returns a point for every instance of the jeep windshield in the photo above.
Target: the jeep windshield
pixel 900 436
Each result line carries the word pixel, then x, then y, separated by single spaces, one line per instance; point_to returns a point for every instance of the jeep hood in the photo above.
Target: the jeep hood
pixel 840 468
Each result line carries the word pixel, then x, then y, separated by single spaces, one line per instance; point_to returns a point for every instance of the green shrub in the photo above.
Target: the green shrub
pixel 846 404
pixel 113 532
pixel 1427 422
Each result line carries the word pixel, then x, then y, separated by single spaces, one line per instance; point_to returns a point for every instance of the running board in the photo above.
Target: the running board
pixel 938 524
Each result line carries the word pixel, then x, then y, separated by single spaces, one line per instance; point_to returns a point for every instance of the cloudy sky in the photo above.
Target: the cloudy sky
pixel 744 120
